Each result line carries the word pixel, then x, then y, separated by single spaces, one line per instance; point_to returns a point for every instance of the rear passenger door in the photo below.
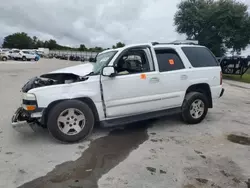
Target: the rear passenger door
pixel 173 77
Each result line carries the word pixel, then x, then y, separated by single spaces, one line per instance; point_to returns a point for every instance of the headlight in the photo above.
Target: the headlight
pixel 29 96
pixel 29 101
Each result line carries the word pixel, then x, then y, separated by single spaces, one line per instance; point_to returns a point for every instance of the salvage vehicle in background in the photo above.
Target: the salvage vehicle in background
pixel 24 55
pixel 124 85
pixel 4 56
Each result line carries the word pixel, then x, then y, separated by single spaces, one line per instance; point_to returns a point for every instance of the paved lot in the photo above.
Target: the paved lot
pixel 159 153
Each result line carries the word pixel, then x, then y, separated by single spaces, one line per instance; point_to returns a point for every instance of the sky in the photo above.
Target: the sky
pixel 91 22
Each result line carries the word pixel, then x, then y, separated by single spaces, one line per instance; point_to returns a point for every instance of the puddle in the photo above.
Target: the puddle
pixel 242 139
pixel 102 155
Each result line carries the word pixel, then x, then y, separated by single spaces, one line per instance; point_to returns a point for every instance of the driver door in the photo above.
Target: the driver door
pixel 133 89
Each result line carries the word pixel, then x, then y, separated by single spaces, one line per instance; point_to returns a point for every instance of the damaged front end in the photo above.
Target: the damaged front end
pixel 51 79
pixel 29 117
pixel 23 122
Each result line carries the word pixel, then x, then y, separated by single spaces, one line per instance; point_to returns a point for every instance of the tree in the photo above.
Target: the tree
pixel 82 47
pixel 118 45
pixel 39 44
pixel 52 44
pixel 18 40
pixel 218 24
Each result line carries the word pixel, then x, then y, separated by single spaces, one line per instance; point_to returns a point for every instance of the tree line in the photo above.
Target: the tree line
pixel 220 25
pixel 23 41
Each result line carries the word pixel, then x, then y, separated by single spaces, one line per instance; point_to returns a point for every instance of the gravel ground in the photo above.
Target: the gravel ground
pixel 159 153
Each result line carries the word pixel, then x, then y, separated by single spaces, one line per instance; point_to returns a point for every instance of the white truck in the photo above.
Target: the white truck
pixel 133 83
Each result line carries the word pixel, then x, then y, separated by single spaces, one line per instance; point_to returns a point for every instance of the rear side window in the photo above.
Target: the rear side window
pixel 200 56
pixel 168 60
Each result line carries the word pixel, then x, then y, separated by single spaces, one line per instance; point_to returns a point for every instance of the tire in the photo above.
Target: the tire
pixel 24 58
pixel 4 58
pixel 56 127
pixel 191 114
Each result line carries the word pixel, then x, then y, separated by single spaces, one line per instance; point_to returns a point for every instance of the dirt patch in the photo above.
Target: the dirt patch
pixel 163 172
pixel 242 139
pixel 151 169
pixel 214 173
pixel 102 155
pixel 204 181
pixel 242 87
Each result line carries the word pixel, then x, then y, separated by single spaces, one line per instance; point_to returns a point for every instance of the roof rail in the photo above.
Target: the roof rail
pixel 179 42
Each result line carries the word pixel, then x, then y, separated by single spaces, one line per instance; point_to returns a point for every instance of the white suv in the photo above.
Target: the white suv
pixel 23 55
pixel 125 85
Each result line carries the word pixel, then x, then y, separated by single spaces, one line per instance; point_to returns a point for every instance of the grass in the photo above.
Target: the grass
pixel 245 78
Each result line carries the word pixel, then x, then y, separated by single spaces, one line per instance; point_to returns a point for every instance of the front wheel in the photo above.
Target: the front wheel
pixel 194 108
pixel 70 121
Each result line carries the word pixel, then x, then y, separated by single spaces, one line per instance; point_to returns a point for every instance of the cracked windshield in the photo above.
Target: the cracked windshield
pixel 125 94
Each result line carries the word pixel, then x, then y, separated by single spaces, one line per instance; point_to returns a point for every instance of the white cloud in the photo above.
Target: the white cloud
pixel 94 22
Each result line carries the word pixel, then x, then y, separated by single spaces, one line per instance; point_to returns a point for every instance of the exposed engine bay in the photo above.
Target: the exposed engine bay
pixel 52 79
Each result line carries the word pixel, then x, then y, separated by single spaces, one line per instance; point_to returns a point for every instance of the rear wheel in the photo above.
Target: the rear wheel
pixel 24 58
pixel 194 108
pixel 4 58
pixel 70 121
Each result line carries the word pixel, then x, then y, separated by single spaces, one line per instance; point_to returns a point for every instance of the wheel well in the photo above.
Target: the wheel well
pixel 91 104
pixel 202 88
pixel 88 101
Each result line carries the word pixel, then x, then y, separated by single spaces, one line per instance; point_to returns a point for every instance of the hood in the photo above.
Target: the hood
pixel 62 76
pixel 79 70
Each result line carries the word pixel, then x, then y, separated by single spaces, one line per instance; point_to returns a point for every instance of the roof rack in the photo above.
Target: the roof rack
pixel 179 42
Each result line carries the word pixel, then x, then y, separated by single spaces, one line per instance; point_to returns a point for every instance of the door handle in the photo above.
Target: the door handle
pixel 154 79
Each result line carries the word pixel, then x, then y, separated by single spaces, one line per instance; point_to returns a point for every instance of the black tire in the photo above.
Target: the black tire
pixel 24 58
pixel 189 99
pixel 4 58
pixel 58 109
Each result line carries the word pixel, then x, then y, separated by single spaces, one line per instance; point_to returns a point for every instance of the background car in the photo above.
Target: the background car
pixel 24 55
pixel 4 56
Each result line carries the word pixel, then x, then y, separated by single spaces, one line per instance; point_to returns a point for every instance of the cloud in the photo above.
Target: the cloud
pixel 93 23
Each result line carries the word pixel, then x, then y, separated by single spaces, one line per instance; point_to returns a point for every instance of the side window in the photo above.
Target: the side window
pixel 133 61
pixel 168 60
pixel 200 57
pixel 16 51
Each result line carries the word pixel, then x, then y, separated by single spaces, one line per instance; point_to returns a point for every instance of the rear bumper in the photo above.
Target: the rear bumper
pixel 222 92
pixel 21 121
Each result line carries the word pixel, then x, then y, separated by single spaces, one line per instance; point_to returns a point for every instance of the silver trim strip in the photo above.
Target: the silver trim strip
pixel 151 100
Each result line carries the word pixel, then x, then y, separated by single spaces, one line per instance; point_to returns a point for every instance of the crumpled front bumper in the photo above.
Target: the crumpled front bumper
pixel 19 122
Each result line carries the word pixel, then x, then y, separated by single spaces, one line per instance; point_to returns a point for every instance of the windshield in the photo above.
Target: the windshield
pixel 102 60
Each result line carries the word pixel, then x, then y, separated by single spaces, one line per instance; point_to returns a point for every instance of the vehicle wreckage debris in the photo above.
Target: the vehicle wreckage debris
pixel 102 155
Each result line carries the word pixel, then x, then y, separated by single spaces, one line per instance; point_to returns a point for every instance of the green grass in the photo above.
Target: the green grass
pixel 245 78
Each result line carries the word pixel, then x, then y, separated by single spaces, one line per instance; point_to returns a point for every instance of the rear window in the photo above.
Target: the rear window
pixel 168 60
pixel 200 56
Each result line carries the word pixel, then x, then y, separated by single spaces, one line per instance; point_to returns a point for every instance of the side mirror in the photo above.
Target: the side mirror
pixel 108 71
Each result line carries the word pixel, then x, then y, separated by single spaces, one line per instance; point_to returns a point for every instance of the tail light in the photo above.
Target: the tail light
pixel 220 78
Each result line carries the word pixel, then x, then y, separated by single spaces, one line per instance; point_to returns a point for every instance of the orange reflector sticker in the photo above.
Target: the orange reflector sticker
pixel 30 107
pixel 171 61
pixel 143 76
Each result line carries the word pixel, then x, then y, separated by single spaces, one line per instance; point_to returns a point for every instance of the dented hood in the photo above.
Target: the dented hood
pixel 80 70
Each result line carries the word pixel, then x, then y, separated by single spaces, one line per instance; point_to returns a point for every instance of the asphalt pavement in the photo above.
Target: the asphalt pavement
pixel 157 153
